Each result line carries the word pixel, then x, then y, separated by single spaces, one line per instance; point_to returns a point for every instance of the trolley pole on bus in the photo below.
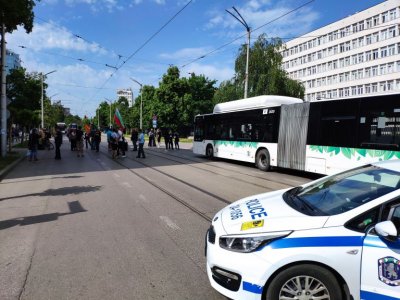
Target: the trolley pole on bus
pixel 248 29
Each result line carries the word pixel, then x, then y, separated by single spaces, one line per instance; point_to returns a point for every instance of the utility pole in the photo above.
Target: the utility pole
pixel 3 127
pixel 41 97
pixel 248 29
pixel 141 102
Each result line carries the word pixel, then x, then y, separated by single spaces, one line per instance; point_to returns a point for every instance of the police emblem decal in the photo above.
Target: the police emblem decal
pixel 389 271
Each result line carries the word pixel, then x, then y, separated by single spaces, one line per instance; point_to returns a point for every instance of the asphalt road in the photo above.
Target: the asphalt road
pixel 97 228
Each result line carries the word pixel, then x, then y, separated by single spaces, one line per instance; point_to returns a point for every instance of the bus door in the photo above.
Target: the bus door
pixel 380 268
pixel 199 135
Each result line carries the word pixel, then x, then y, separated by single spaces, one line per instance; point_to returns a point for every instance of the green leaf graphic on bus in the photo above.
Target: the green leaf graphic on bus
pixel 236 144
pixel 356 153
pixel 362 152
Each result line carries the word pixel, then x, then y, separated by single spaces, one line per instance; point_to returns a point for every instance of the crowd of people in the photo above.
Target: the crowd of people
pixel 91 138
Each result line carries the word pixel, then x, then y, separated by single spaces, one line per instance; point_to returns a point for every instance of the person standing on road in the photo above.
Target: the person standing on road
pixel 58 141
pixel 114 143
pixel 33 144
pixel 97 140
pixel 79 141
pixel 134 138
pixel 176 140
pixel 158 137
pixel 141 144
pixel 109 134
pixel 121 143
pixel 170 140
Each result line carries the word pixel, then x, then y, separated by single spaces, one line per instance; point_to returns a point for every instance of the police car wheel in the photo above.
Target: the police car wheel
pixel 304 282
pixel 262 160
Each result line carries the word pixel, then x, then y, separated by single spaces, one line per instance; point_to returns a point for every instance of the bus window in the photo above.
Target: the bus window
pixel 380 124
pixel 199 129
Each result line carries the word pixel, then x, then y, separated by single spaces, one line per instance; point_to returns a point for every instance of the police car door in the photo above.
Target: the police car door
pixel 380 267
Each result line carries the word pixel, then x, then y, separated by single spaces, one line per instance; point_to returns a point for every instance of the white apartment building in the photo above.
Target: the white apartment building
pixel 128 94
pixel 356 56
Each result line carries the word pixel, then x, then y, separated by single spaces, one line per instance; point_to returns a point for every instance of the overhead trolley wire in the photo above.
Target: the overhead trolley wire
pixel 146 42
pixel 243 35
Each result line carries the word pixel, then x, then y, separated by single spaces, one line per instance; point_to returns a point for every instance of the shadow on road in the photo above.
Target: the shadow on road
pixel 74 208
pixel 70 190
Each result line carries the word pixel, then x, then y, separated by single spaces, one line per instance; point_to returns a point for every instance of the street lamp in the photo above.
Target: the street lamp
pixel 111 102
pixel 41 99
pixel 141 101
pixel 243 22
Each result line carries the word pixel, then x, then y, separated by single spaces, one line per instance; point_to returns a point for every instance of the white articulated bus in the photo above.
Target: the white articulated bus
pixel 323 137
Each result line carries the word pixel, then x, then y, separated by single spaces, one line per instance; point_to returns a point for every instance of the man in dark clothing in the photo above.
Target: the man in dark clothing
pixel 97 140
pixel 33 144
pixel 58 141
pixel 134 138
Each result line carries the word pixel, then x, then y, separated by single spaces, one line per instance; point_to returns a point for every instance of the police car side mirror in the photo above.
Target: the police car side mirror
pixel 386 229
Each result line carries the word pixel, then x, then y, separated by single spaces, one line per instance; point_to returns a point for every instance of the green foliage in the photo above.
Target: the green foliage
pixel 24 91
pixel 266 76
pixel 72 119
pixel 227 91
pixel 17 12
pixel 178 100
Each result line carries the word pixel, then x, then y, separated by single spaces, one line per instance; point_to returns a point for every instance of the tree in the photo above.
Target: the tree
pixel 17 12
pixel 12 14
pixel 24 90
pixel 266 76
pixel 178 100
pixel 227 91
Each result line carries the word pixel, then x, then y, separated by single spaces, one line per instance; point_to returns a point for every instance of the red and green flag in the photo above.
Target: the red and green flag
pixel 118 119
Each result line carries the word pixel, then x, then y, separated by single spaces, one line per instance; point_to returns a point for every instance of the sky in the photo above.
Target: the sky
pixel 99 46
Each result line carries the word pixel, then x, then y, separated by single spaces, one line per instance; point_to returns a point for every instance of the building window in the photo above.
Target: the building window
pixel 375 54
pixel 385 16
pixel 375 20
pixel 390 85
pixel 374 71
pixel 392 32
pixel 361 42
pixel 391 50
pixel 367 72
pixel 392 14
pixel 368 39
pixel 374 88
pixel 384 52
pixel 382 69
pixel 368 55
pixel 369 23
pixel 367 88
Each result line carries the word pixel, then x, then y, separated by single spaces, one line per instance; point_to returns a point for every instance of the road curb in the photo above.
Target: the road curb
pixel 11 166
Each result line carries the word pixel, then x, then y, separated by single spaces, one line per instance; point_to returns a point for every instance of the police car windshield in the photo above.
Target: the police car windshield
pixel 345 191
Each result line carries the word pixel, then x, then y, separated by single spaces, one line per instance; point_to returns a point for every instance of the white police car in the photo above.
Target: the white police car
pixel 334 238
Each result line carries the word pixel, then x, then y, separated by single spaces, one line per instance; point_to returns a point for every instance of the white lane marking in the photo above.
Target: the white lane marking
pixel 170 223
pixel 127 184
pixel 116 175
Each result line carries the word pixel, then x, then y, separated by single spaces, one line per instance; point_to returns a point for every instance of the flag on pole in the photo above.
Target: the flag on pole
pixel 118 119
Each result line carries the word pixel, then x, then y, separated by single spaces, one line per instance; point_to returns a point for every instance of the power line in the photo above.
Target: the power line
pixel 78 36
pixel 241 36
pixel 147 41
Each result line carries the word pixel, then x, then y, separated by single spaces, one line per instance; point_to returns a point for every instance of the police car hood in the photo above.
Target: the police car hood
pixel 266 213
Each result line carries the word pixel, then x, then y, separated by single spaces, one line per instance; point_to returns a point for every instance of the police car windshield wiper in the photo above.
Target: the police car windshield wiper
pixel 304 204
pixel 299 202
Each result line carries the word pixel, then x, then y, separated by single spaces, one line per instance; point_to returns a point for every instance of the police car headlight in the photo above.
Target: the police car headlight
pixel 249 243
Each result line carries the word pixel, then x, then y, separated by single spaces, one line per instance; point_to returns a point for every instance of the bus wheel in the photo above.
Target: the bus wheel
pixel 304 282
pixel 209 151
pixel 262 160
